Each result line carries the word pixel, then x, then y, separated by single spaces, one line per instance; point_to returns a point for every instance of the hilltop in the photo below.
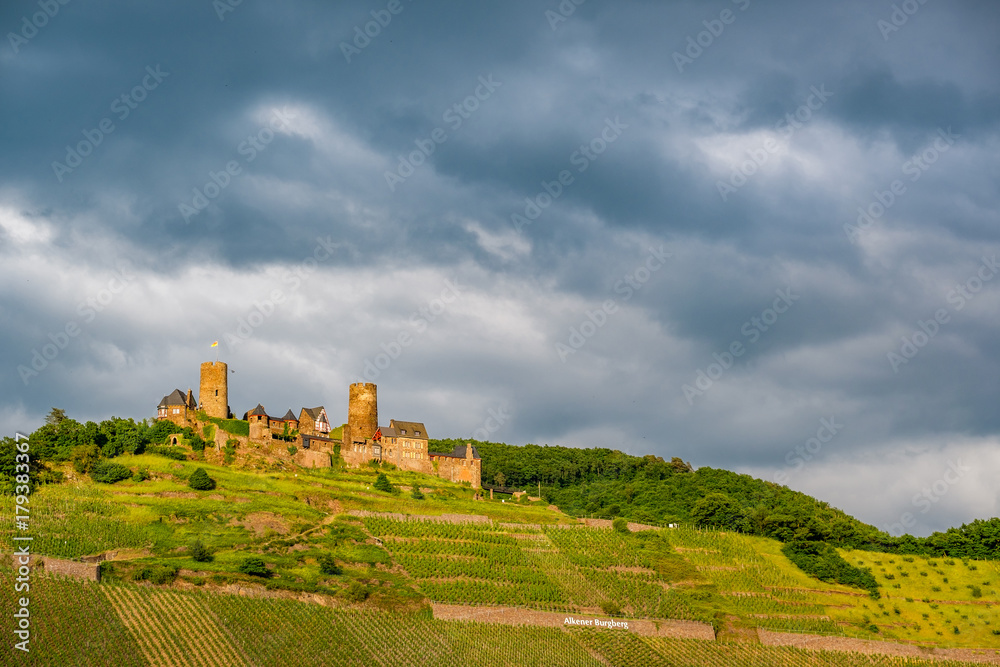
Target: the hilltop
pixel 409 551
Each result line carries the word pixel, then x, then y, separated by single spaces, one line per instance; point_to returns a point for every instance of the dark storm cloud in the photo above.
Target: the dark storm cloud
pixel 202 90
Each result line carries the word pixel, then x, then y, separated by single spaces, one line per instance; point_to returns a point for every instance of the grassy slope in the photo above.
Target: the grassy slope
pixel 291 520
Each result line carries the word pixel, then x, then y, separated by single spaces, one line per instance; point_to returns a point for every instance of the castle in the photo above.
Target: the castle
pixel 309 435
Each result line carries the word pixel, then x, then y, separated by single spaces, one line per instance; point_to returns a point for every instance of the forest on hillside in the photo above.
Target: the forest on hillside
pixel 607 483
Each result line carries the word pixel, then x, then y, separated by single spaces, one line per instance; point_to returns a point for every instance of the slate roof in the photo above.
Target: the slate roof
pixel 408 429
pixel 314 413
pixel 458 452
pixel 259 410
pixel 176 397
pixel 289 417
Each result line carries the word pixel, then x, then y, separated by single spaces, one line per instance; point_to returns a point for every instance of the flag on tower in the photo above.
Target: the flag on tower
pixel 215 344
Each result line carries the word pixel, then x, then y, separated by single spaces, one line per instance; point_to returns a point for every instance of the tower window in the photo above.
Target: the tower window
pixel 216 392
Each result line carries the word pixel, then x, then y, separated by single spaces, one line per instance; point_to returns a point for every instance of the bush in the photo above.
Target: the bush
pixel 229 451
pixel 141 475
pixel 200 552
pixel 85 457
pixel 620 525
pixel 611 608
pixel 292 449
pixel 254 566
pixel 416 493
pixel 357 592
pixel 157 574
pixel 174 453
pixel 823 562
pixel 200 481
pixel 327 565
pixel 108 472
pixel 382 483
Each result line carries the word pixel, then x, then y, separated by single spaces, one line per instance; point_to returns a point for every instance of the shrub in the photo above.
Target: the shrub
pixel 141 475
pixel 109 472
pixel 416 493
pixel 85 457
pixel 823 562
pixel 620 525
pixel 174 453
pixel 229 451
pixel 977 592
pixel 292 449
pixel 254 566
pixel 382 483
pixel 611 608
pixel 327 565
pixel 200 552
pixel 200 481
pixel 157 574
pixel 357 592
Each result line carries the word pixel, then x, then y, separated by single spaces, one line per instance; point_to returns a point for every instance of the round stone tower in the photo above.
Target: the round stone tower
pixel 362 412
pixel 214 390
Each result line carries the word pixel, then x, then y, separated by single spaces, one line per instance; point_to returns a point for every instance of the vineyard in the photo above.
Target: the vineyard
pixel 80 623
pixel 386 568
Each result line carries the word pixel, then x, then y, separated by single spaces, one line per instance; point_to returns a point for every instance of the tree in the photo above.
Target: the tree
pixel 499 479
pixel 200 481
pixel 85 457
pixel 55 416
pixel 200 552
pixel 254 566
pixel 327 565
pixel 716 509
pixel 620 525
pixel 382 483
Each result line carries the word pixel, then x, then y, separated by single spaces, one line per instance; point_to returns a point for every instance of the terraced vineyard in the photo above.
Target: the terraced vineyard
pixel 80 623
pixel 550 569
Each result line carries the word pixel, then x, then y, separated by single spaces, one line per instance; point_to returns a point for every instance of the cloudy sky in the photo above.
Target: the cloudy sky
pixel 758 236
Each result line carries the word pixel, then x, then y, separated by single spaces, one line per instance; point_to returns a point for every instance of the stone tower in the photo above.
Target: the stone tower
pixel 362 413
pixel 214 391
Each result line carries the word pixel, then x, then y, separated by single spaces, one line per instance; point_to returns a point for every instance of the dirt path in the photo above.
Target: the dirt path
pixel 518 616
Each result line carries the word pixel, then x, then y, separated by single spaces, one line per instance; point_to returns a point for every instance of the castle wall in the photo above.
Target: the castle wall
pixel 214 389
pixel 459 470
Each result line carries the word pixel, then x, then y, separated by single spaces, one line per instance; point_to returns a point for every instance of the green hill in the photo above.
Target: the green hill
pixel 607 483
pixel 352 566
